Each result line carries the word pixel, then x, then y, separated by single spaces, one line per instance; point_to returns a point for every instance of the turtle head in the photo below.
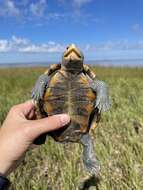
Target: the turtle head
pixel 72 59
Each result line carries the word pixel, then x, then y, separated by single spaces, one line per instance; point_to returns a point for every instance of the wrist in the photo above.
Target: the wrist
pixel 4 168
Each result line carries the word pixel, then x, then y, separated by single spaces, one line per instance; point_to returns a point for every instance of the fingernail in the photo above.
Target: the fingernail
pixel 65 119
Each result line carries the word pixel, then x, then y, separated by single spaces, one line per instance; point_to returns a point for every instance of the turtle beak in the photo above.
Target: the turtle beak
pixel 73 53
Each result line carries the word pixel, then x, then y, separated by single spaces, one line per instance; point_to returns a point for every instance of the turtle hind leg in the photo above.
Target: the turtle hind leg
pixel 89 158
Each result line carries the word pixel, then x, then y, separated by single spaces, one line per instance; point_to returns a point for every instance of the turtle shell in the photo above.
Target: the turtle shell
pixel 71 94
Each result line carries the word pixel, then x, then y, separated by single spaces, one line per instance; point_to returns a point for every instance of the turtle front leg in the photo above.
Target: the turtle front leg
pixel 102 101
pixel 42 82
pixel 37 95
pixel 89 158
pixel 40 86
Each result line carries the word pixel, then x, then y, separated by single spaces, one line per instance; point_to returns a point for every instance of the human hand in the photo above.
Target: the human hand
pixel 19 131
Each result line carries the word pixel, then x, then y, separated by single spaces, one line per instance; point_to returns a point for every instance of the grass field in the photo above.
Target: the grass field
pixel 118 138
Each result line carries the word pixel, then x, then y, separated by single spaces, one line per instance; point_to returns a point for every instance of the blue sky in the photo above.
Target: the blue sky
pixel 39 30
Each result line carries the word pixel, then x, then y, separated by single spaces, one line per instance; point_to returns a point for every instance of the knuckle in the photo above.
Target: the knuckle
pixel 14 109
pixel 26 131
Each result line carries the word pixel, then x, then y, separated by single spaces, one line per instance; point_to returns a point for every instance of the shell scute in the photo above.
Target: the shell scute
pixel 72 95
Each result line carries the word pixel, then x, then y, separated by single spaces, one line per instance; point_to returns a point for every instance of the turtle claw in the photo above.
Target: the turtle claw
pixel 103 106
pixel 106 106
pixel 102 102
pixel 89 182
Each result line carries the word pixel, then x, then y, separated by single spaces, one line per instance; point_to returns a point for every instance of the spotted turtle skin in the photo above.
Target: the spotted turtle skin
pixel 69 93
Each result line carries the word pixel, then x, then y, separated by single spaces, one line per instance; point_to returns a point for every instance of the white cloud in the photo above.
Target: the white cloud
pixel 4 47
pixel 109 46
pixel 16 44
pixel 38 8
pixel 13 44
pixel 8 8
pixel 19 44
pixel 37 12
pixel 74 8
pixel 137 29
pixel 76 3
pixel 19 41
pixel 43 48
pixel 78 14
pixel 11 7
pixel 23 8
pixel 80 3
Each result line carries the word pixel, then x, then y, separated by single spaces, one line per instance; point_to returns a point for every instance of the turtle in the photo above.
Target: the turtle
pixel 71 87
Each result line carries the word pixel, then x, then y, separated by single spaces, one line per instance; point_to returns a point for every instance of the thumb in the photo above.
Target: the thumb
pixel 38 127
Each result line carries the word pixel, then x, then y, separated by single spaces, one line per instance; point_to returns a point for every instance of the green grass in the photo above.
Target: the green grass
pixel 118 146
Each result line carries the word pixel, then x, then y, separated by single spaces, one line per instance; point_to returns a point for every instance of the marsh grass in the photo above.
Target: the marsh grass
pixel 118 138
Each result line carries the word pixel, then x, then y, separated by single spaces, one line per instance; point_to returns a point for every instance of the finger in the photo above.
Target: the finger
pixel 28 107
pixel 38 127
pixel 25 108
pixel 31 114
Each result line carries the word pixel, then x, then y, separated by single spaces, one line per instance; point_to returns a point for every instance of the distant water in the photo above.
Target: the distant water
pixel 13 65
pixel 119 63
pixel 106 63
